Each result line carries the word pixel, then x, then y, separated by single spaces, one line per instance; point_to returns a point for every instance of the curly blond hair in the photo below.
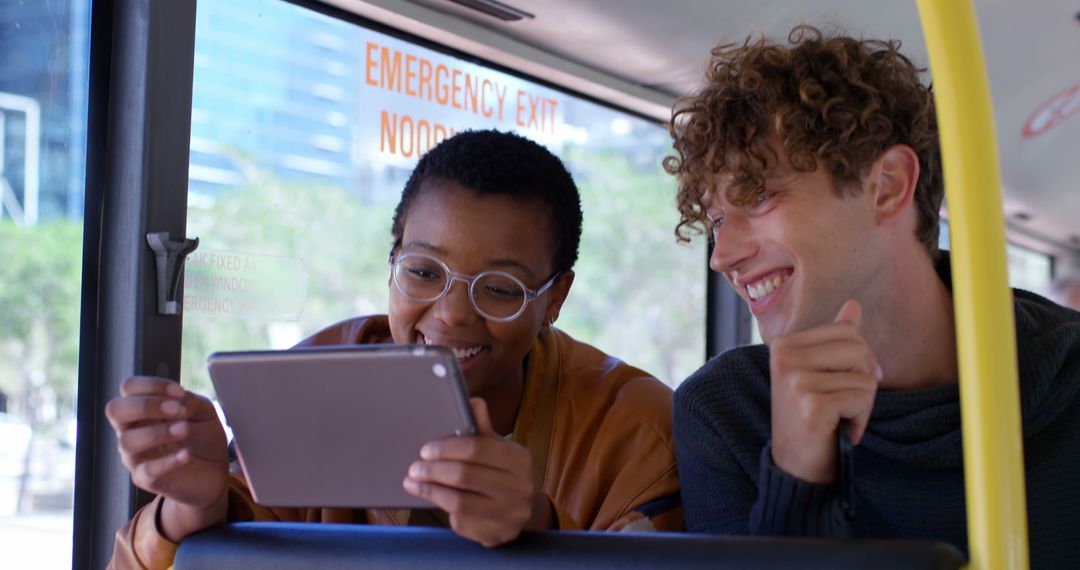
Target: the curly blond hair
pixel 837 101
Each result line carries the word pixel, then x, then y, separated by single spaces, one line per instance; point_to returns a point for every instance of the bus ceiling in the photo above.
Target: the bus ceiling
pixel 642 55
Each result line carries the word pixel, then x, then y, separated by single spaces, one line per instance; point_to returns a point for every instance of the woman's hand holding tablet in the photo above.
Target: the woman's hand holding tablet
pixel 483 482
pixel 174 445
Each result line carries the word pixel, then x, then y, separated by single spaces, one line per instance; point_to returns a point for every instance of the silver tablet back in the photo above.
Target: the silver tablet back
pixel 338 427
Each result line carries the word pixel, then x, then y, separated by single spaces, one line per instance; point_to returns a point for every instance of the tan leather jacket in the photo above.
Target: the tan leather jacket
pixel 599 432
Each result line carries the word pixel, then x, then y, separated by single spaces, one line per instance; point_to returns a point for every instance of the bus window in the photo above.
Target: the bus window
pixel 1028 269
pixel 43 86
pixel 304 129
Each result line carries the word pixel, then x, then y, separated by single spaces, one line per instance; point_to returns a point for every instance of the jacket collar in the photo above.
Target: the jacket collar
pixel 536 412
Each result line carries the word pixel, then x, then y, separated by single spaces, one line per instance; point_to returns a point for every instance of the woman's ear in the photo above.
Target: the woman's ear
pixel 893 179
pixel 557 296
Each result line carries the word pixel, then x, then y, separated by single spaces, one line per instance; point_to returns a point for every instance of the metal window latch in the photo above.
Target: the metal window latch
pixel 170 256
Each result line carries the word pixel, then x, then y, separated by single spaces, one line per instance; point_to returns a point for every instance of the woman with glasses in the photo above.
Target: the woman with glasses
pixel 485 240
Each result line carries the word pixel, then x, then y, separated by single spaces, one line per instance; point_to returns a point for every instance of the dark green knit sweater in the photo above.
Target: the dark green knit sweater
pixel 908 469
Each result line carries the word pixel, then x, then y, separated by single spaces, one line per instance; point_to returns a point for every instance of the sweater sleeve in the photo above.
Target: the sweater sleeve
pixel 789 506
pixel 729 482
pixel 140 544
pixel 717 493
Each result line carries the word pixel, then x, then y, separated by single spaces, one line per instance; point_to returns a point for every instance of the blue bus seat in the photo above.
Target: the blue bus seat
pixel 271 546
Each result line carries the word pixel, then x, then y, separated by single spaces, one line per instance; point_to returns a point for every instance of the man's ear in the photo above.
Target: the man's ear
pixel 893 178
pixel 558 292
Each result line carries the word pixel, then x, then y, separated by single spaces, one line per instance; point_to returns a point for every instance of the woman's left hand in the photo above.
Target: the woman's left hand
pixel 483 482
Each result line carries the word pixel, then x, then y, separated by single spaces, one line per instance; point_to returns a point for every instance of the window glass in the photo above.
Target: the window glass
pixel 43 90
pixel 304 130
pixel 1029 269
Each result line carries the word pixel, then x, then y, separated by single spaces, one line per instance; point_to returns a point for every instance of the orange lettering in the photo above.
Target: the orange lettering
pixel 404 136
pixel 407 134
pixel 442 90
pixel 425 78
pixel 520 108
pixel 455 88
pixel 471 92
pixel 410 74
pixel 488 111
pixel 534 102
pixel 391 74
pixel 502 99
pixel 423 137
pixel 388 133
pixel 370 79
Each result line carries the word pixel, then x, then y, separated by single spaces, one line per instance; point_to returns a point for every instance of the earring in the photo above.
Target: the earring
pixel 546 327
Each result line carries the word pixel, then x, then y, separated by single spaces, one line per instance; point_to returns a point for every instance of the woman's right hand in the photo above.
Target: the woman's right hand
pixel 174 445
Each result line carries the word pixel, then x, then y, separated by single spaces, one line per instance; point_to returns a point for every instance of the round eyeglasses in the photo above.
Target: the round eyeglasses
pixel 495 295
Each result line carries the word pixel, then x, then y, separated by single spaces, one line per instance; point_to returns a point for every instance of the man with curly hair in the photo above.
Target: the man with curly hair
pixel 815 165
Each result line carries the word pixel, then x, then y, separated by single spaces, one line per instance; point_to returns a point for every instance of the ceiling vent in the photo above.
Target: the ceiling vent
pixel 496 9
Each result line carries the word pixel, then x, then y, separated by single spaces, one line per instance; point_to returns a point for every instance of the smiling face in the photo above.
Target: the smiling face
pixel 798 251
pixel 473 233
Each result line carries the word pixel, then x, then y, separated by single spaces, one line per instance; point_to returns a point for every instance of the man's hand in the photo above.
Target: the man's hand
pixel 174 445
pixel 484 482
pixel 820 376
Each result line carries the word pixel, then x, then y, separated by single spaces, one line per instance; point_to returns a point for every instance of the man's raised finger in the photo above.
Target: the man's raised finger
pixel 834 382
pixel 845 354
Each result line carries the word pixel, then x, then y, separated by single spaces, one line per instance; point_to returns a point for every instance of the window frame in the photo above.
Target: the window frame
pixel 138 133
pixel 138 139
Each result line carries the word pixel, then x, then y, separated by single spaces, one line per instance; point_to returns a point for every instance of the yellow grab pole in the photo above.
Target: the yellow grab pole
pixel 985 331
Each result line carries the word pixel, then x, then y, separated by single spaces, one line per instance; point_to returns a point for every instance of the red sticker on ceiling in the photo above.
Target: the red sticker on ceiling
pixel 1053 112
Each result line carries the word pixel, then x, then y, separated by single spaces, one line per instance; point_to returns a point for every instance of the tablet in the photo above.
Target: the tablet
pixel 338 426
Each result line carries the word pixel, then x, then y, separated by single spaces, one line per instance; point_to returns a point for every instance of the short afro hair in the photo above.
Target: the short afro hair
pixel 491 162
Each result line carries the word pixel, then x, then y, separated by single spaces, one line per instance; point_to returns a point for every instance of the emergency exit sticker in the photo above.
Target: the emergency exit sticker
pixel 244 285
pixel 412 98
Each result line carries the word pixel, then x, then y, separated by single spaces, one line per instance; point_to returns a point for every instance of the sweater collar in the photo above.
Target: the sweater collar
pixel 923 426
